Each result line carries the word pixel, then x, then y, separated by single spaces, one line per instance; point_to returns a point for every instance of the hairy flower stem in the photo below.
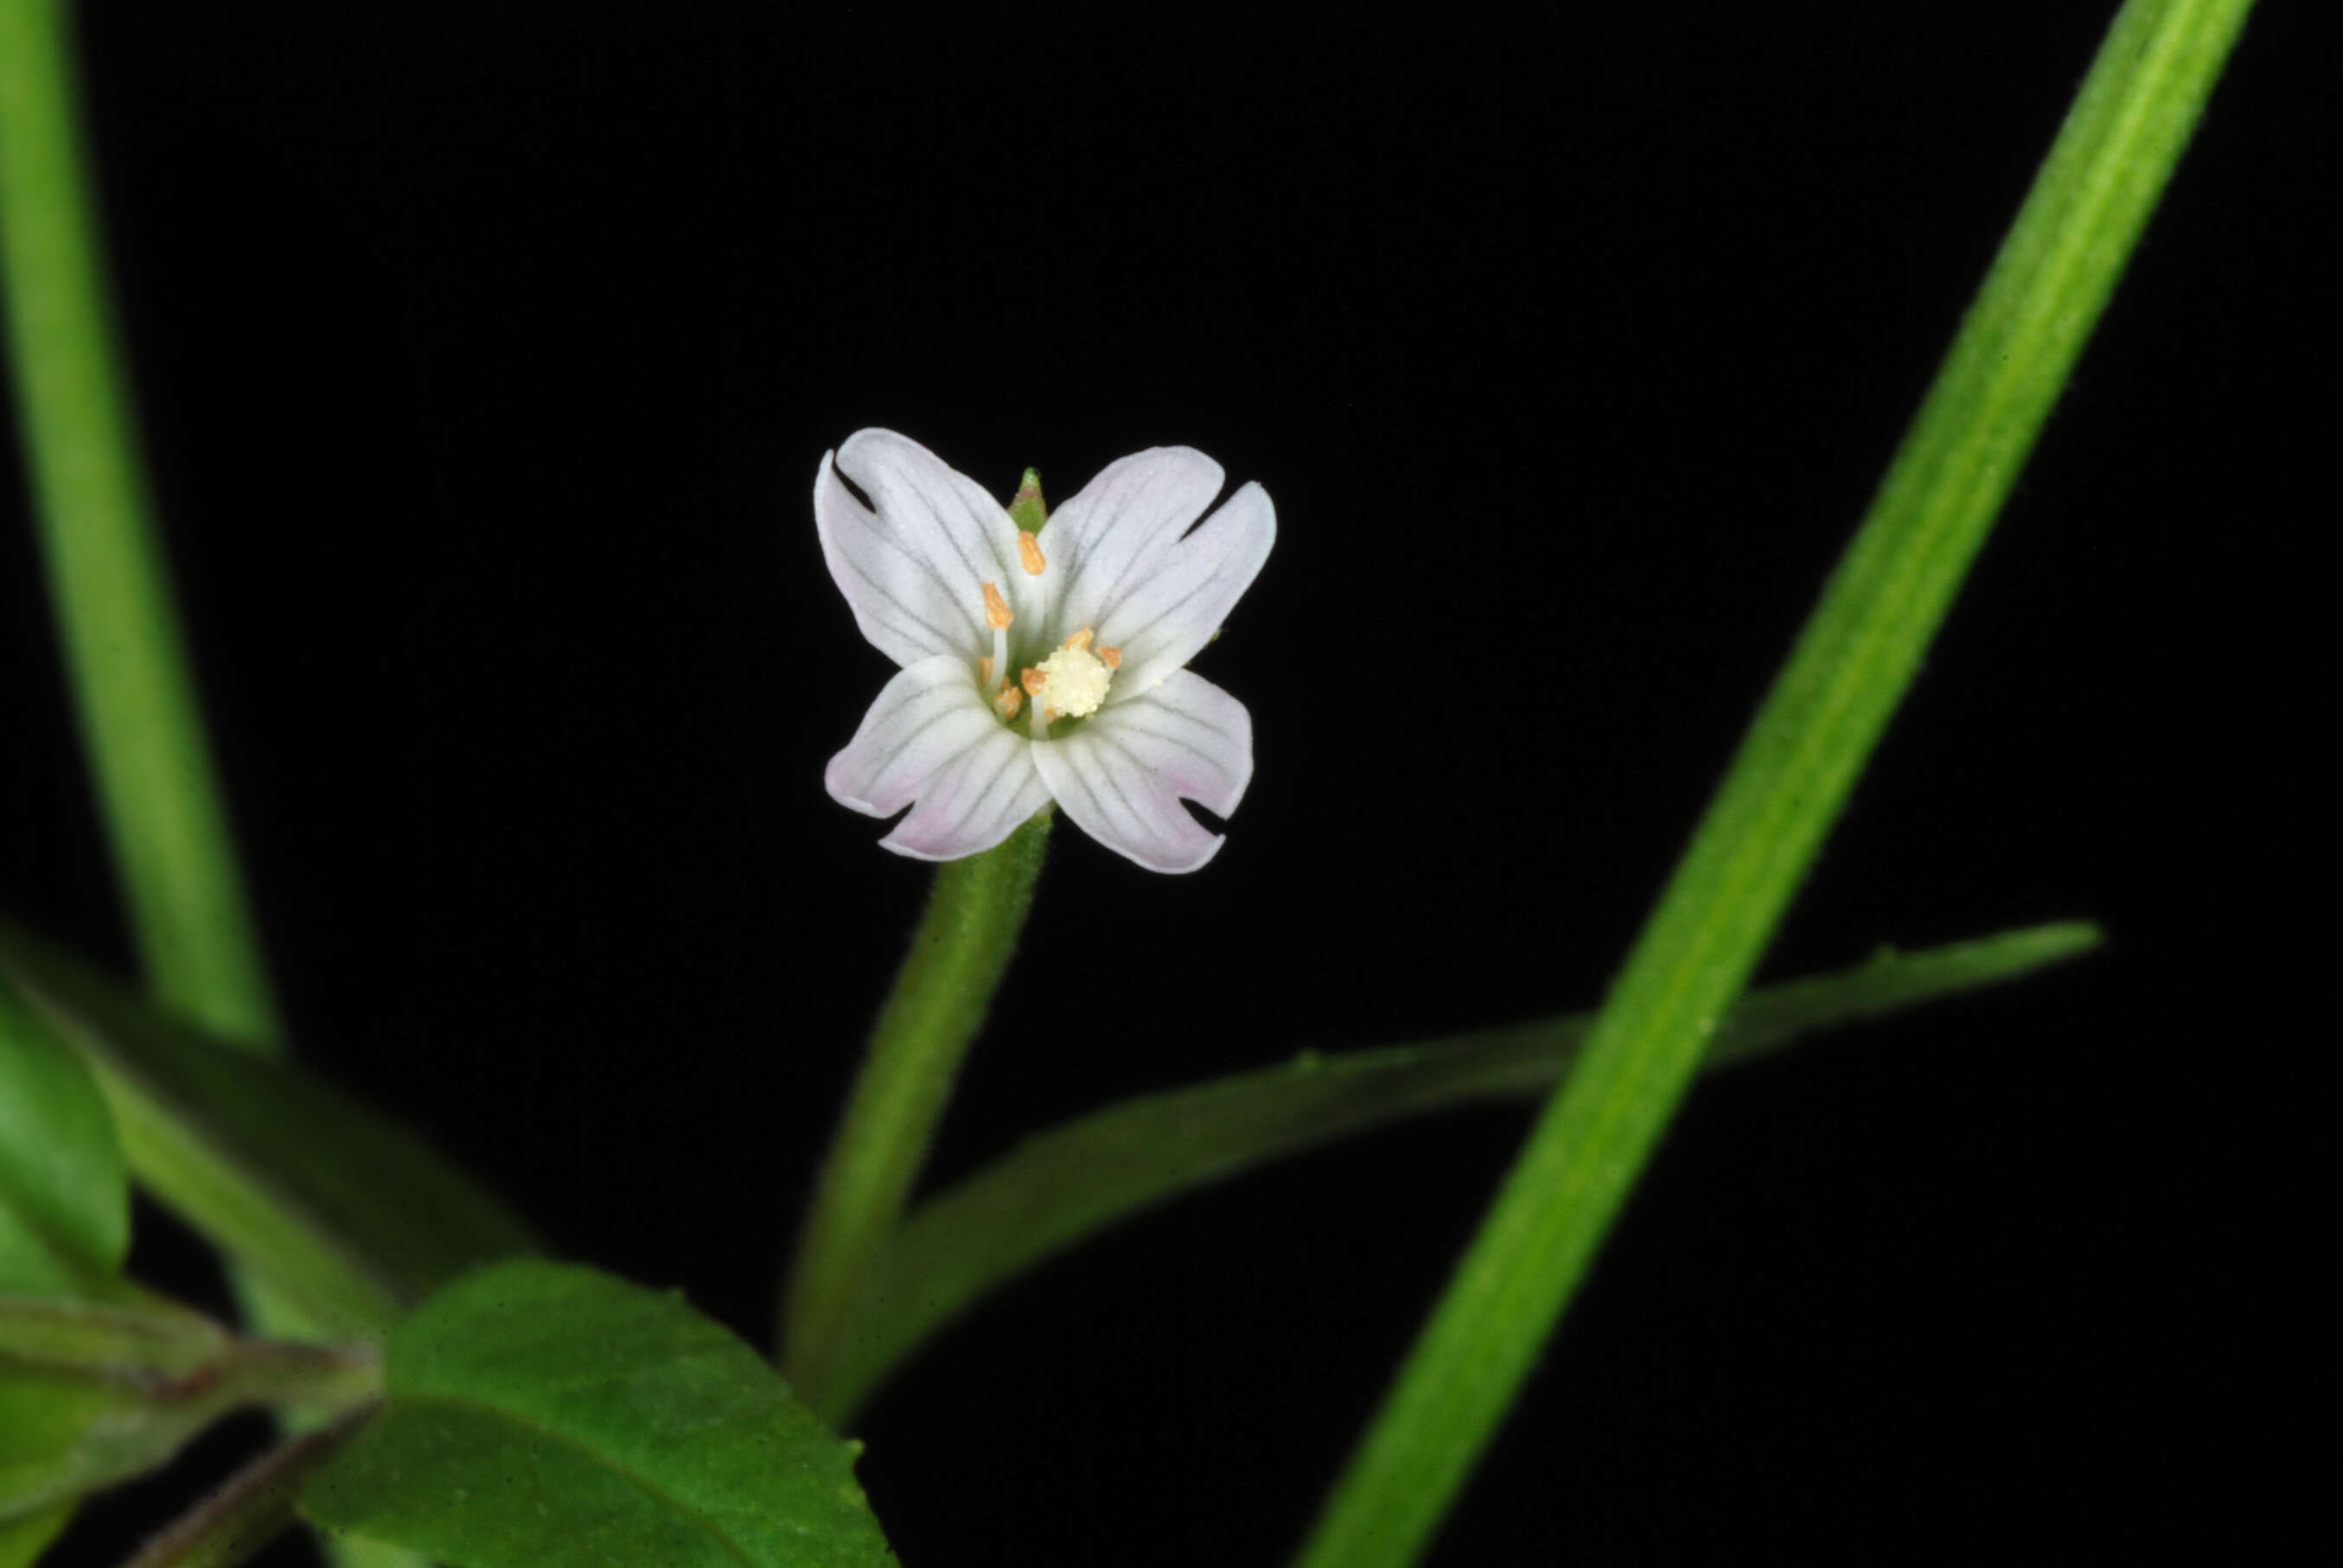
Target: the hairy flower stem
pixel 941 993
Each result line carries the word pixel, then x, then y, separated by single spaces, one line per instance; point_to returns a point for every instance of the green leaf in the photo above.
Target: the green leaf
pixel 92 1394
pixel 541 1414
pixel 350 1214
pixel 65 1191
pixel 1059 1187
pixel 63 1433
pixel 64 1227
pixel 22 1541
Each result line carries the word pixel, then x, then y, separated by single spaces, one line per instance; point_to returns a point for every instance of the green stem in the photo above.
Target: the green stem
pixel 175 1351
pixel 1808 741
pixel 141 722
pixel 331 1378
pixel 135 692
pixel 941 993
pixel 253 1506
pixel 142 725
pixel 163 1339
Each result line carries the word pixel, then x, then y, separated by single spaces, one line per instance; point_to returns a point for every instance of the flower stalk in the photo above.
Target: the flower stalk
pixel 974 916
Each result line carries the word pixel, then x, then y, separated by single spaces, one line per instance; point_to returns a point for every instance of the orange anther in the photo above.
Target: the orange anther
pixel 1110 656
pixel 1009 699
pixel 984 671
pixel 1033 680
pixel 995 609
pixel 1029 551
pixel 1080 639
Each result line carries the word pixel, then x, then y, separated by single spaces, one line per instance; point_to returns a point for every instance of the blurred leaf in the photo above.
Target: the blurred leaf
pixel 64 1433
pixel 64 1227
pixel 93 1394
pixel 350 1215
pixel 1060 1186
pixel 64 1193
pixel 22 1541
pixel 541 1414
pixel 161 1341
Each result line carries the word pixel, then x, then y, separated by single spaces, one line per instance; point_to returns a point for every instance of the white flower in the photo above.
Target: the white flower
pixel 1041 666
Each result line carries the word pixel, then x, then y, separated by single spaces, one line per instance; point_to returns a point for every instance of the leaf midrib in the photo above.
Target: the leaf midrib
pixel 658 1494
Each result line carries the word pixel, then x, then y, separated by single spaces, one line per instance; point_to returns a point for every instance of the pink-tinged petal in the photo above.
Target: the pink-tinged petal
pixel 1110 534
pixel 1139 577
pixel 1121 775
pixel 930 737
pixel 914 562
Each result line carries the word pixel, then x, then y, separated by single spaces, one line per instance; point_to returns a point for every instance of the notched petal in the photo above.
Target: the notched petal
pixel 1169 608
pixel 1121 778
pixel 931 742
pixel 1113 534
pixel 911 543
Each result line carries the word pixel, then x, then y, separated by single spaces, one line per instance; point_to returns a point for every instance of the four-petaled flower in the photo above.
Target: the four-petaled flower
pixel 1041 666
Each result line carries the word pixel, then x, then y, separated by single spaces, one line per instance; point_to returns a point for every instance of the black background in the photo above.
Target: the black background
pixel 486 367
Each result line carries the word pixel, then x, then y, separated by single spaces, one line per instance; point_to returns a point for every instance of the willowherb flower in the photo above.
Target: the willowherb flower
pixel 1041 666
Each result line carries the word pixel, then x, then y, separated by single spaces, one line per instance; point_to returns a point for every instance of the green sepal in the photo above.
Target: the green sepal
pixel 1025 508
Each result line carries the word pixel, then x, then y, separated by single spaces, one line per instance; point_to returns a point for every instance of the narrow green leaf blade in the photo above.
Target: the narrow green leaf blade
pixel 1810 739
pixel 353 1216
pixel 134 686
pixel 541 1414
pixel 1060 1187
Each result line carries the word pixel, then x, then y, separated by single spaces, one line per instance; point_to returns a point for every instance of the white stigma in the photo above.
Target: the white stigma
pixel 1074 682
